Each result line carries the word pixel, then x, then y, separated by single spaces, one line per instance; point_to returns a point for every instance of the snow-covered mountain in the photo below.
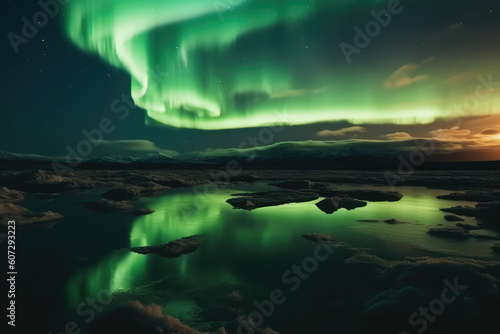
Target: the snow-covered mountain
pixel 117 159
pixel 156 158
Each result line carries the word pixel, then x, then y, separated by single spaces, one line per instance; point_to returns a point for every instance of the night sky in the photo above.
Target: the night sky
pixel 208 74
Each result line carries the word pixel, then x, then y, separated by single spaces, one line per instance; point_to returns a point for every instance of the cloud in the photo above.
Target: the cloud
pixel 397 136
pixel 490 132
pixel 341 132
pixel 129 147
pixel 405 76
pixel 450 134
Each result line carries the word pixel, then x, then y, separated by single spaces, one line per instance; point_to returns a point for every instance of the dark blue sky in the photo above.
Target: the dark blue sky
pixel 52 91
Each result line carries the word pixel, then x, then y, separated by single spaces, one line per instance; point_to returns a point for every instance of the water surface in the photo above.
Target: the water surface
pixel 89 252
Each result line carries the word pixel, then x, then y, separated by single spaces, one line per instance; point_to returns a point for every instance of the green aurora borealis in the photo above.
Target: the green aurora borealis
pixel 198 64
pixel 429 70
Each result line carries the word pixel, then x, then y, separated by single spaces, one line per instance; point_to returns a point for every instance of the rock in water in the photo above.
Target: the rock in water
pixel 328 205
pixel 143 211
pixel 453 218
pixel 10 196
pixel 375 195
pixel 460 210
pixel 173 248
pixel 23 216
pixel 449 232
pixel 326 189
pixel 485 212
pixel 319 238
pixel 486 235
pixel 468 226
pixel 473 196
pixel 393 221
pixel 349 203
pixel 109 206
pixel 252 201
